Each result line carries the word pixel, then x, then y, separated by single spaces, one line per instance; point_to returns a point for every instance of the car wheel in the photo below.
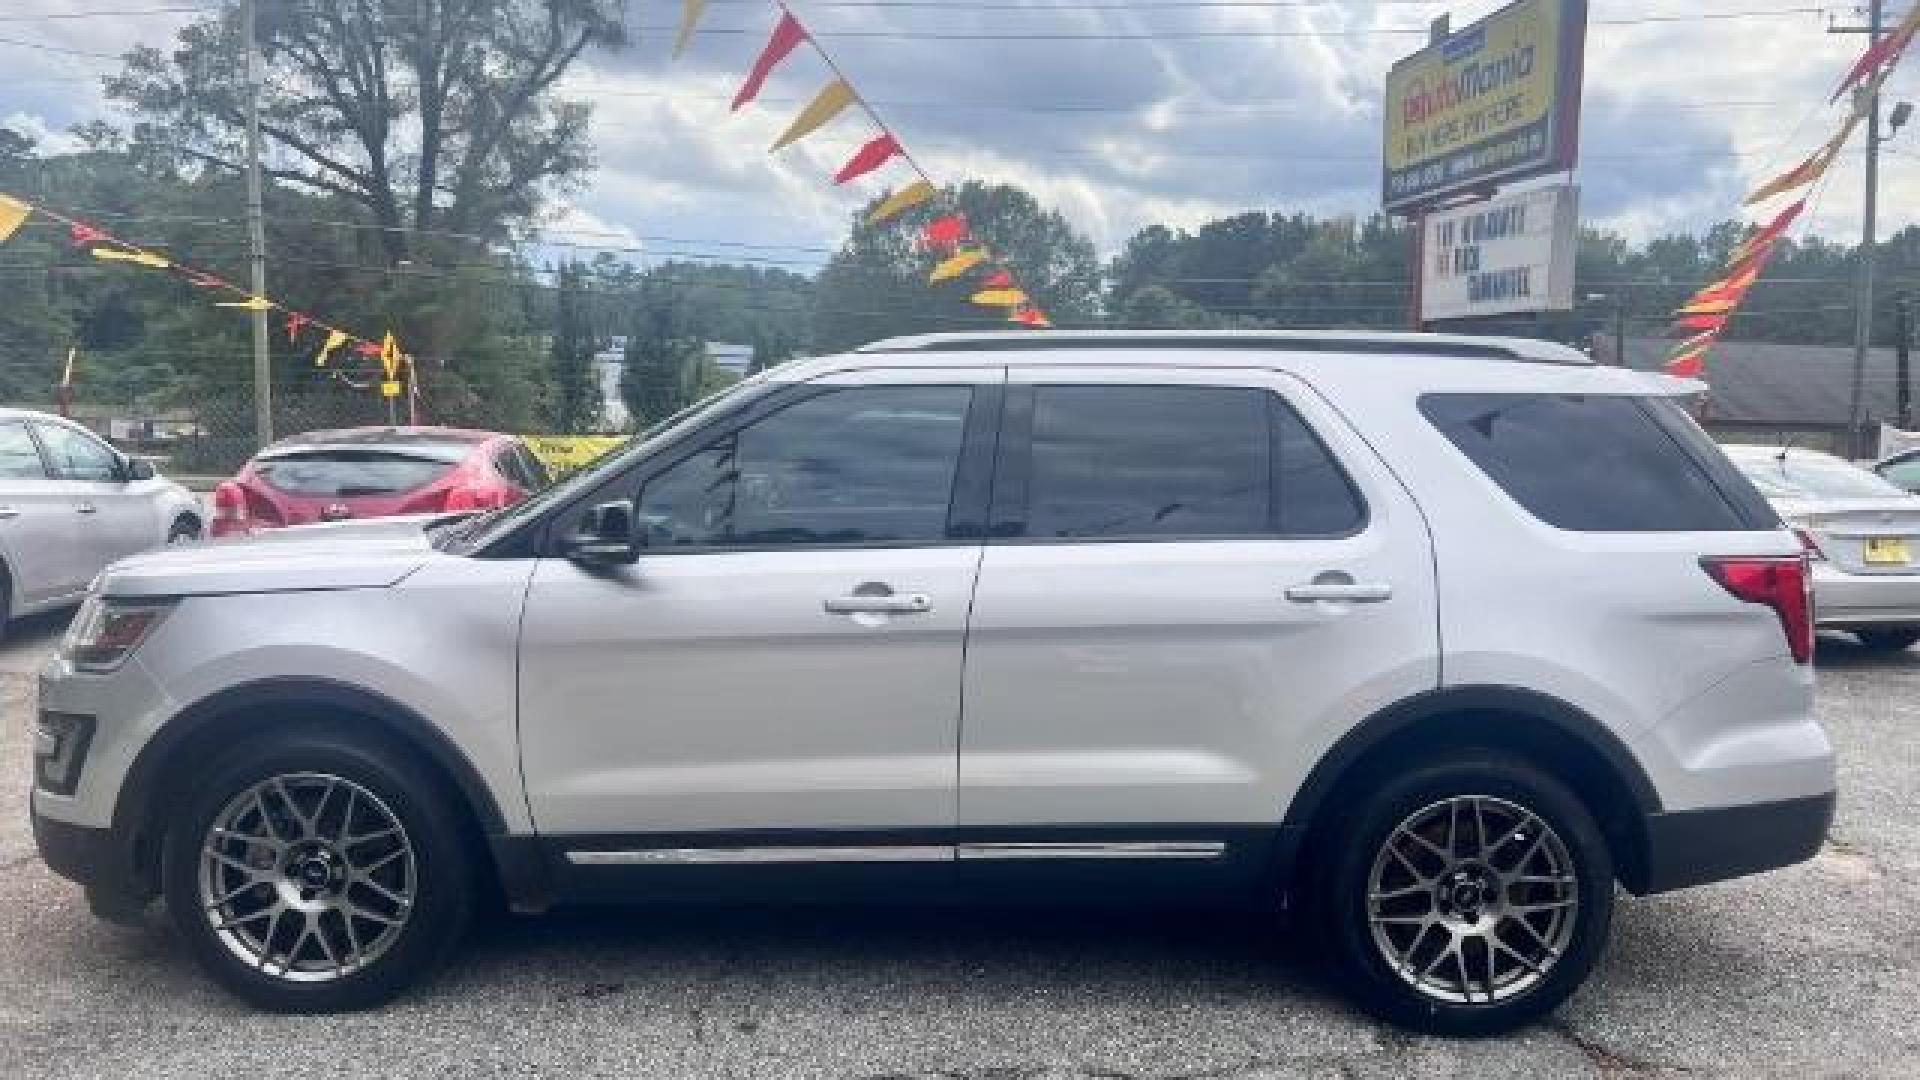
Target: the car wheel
pixel 1887 638
pixel 1468 897
pixel 184 531
pixel 315 872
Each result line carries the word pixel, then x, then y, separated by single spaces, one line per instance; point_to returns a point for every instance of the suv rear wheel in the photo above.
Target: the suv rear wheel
pixel 1468 896
pixel 314 872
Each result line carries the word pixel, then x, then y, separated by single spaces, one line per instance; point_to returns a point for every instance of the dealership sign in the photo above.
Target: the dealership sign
pixel 1506 255
pixel 1498 101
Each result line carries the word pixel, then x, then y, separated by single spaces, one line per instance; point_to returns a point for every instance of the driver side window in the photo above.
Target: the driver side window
pixel 78 457
pixel 863 465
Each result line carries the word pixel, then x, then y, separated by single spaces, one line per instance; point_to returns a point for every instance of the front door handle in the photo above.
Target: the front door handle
pixel 8 513
pixel 1335 587
pixel 898 604
pixel 87 508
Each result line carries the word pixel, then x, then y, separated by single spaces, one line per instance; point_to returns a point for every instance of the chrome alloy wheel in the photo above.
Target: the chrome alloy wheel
pixel 307 877
pixel 1472 900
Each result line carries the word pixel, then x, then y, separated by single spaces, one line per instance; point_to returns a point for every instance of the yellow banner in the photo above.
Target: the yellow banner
pixel 1495 100
pixel 569 453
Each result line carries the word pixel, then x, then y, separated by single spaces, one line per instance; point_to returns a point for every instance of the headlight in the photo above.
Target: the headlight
pixel 106 632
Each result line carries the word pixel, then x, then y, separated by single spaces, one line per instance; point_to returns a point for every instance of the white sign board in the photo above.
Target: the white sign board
pixel 1509 254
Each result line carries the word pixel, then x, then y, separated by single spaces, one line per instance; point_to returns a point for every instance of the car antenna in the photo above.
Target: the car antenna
pixel 1786 444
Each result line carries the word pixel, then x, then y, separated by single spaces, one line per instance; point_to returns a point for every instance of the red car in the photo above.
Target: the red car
pixel 375 472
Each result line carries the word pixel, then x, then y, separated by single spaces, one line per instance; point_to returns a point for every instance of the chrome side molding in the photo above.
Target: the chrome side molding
pixel 895 853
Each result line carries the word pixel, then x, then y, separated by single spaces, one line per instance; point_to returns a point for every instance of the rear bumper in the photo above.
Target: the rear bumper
pixel 1694 847
pixel 1843 599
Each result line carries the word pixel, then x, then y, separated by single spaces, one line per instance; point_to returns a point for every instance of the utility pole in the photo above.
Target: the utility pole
pixel 1902 361
pixel 257 233
pixel 1869 237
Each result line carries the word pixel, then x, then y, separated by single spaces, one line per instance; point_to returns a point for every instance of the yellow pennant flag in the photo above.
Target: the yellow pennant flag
pixel 1000 298
pixel 138 258
pixel 689 19
pixel 1721 306
pixel 251 303
pixel 13 214
pixel 957 265
pixel 335 339
pixel 825 106
pixel 906 198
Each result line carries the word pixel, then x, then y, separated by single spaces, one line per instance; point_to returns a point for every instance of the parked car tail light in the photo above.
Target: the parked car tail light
pixel 229 509
pixel 462 500
pixel 1782 584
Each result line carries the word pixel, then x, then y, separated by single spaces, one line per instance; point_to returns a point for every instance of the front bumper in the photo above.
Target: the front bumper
pixel 1843 599
pixel 97 859
pixel 1694 847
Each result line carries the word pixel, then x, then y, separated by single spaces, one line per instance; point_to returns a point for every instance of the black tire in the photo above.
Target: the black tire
pixel 1896 638
pixel 441 871
pixel 184 530
pixel 1345 913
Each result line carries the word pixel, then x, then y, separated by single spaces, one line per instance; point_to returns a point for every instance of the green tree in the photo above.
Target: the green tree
pixel 426 114
pixel 576 396
pixel 665 358
pixel 876 285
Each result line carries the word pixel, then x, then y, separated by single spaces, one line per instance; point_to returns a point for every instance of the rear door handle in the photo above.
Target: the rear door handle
pixel 900 604
pixel 87 508
pixel 8 513
pixel 1339 592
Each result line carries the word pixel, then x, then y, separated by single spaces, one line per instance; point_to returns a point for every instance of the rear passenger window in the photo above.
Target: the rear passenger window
pixel 1143 462
pixel 1584 463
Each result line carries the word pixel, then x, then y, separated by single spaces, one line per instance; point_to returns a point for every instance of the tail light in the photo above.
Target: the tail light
pixel 229 510
pixel 1782 584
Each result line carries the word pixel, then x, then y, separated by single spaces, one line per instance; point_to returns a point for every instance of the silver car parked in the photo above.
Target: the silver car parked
pixel 1861 531
pixel 69 505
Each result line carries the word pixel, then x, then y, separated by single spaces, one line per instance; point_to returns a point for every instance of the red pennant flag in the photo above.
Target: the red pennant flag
pixel 1000 279
pixel 86 235
pixel 947 233
pixel 369 348
pixel 200 280
pixel 1031 317
pixel 786 36
pixel 296 322
pixel 1689 366
pixel 1762 241
pixel 871 156
pixel 1886 50
pixel 1697 323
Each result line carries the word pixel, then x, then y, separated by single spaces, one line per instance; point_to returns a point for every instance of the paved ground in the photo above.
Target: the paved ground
pixel 1813 972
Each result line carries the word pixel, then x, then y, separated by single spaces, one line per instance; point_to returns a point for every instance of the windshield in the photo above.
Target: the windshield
pixel 477 532
pixel 1807 476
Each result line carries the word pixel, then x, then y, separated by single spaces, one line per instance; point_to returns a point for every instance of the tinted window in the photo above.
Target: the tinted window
pixel 1312 494
pixel 78 457
pixel 1904 472
pixel 345 474
pixel 1585 463
pixel 1143 461
pixel 19 457
pixel 535 470
pixel 870 465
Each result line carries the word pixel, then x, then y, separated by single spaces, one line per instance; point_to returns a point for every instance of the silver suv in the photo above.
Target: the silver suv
pixel 1424 641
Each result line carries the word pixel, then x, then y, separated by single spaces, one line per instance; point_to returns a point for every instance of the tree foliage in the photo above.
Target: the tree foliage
pixel 876 285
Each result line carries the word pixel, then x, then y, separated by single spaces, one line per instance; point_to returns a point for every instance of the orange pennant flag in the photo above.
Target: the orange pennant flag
pixel 900 201
pixel 1700 322
pixel 1688 365
pixel 690 13
pixel 1033 317
pixel 826 105
pixel 1770 232
pixel 1813 168
pixel 957 265
pixel 999 298
pixel 1721 306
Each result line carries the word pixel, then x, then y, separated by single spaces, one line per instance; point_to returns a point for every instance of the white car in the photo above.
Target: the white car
pixel 1424 641
pixel 69 505
pixel 1862 532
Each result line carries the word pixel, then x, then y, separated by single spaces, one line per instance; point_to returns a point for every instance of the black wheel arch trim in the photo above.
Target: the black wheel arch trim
pixel 1353 747
pixel 144 776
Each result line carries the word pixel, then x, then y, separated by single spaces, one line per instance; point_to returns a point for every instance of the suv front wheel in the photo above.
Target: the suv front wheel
pixel 1468 896
pixel 317 872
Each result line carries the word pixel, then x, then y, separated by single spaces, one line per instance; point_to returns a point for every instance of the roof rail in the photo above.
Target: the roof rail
pixel 1523 350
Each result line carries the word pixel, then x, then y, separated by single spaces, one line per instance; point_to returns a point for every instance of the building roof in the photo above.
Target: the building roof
pixel 1765 384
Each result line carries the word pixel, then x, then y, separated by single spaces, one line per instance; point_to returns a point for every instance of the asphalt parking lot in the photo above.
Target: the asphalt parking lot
pixel 1812 972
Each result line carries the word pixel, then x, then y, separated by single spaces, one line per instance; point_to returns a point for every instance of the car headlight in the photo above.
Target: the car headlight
pixel 107 631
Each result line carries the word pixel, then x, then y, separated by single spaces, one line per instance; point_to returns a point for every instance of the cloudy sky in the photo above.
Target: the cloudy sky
pixel 1118 112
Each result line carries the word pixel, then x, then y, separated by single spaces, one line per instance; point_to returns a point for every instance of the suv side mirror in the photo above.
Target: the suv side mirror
pixel 138 469
pixel 606 537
